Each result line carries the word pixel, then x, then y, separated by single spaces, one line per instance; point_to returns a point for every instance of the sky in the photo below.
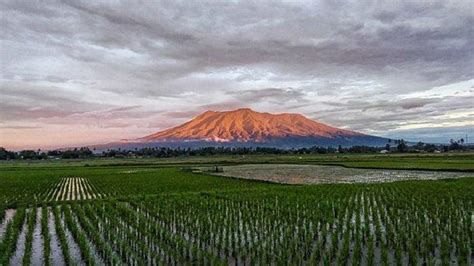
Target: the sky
pixel 91 72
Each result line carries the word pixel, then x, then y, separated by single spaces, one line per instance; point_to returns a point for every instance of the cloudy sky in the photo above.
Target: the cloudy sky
pixel 85 72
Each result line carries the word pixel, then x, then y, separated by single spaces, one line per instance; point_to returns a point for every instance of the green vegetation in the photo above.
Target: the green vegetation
pixel 158 212
pixel 31 221
pixel 399 146
pixel 65 247
pixel 8 244
pixel 46 235
pixel 446 161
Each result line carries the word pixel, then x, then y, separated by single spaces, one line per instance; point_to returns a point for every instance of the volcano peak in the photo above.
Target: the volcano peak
pixel 247 125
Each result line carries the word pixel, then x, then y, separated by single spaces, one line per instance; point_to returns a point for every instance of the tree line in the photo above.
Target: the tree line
pixel 400 146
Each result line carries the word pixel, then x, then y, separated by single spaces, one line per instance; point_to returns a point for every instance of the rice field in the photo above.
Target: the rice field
pixel 169 216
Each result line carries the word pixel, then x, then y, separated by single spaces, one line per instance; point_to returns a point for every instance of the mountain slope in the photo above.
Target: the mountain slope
pixel 247 126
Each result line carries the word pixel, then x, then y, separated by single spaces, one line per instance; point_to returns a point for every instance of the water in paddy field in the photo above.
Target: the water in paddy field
pixel 56 253
pixel 9 213
pixel 74 249
pixel 314 174
pixel 73 188
pixel 37 251
pixel 20 246
pixel 91 245
pixel 274 214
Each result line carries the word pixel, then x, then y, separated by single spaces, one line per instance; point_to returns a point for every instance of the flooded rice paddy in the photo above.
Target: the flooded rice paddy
pixel 394 223
pixel 317 174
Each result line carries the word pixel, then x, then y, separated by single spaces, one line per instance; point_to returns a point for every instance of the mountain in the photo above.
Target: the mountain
pixel 245 127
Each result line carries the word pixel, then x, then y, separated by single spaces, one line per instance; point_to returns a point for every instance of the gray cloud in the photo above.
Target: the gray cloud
pixel 391 115
pixel 386 105
pixel 275 95
pixel 436 134
pixel 358 65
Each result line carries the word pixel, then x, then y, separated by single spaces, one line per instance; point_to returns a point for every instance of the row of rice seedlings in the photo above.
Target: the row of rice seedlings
pixel 160 247
pixel 389 226
pixel 426 229
pixel 7 200
pixel 24 189
pixel 3 220
pixel 61 234
pixel 8 216
pixel 31 221
pixel 29 240
pixel 18 255
pixel 37 245
pixel 93 228
pixel 97 189
pixel 226 243
pixel 70 189
pixel 12 232
pixel 79 236
pixel 2 213
pixel 50 193
pixel 56 253
pixel 421 231
pixel 177 248
pixel 73 188
pixel 120 237
pixel 91 190
pixel 82 189
pixel 164 220
pixel 60 190
pixel 327 224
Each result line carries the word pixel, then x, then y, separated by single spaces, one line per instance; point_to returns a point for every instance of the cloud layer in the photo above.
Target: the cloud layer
pixel 79 72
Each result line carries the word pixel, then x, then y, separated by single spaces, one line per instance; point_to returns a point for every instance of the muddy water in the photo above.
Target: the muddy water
pixel 37 251
pixel 20 246
pixel 56 254
pixel 314 174
pixel 9 213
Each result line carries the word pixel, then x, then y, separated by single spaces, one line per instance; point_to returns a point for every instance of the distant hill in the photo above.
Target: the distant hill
pixel 245 127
